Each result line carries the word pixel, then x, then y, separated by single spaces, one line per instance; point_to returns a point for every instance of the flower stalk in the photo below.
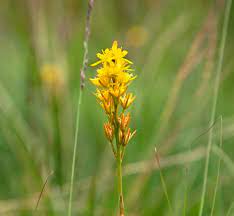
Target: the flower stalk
pixel 120 184
pixel 112 81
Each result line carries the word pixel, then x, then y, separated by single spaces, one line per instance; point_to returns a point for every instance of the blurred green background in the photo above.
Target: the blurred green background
pixel 174 47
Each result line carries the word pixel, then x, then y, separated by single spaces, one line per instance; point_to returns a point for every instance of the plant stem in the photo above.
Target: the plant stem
pixel 74 153
pixel 216 91
pixel 119 163
pixel 82 84
pixel 120 186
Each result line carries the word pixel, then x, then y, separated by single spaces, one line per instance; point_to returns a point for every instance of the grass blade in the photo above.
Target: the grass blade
pixel 219 164
pixel 216 90
pixel 162 180
pixel 43 189
pixel 185 193
pixel 230 209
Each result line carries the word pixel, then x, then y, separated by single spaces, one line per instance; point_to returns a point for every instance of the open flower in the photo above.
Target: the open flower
pixel 112 56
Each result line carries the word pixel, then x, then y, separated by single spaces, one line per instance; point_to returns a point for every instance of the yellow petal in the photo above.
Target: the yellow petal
pixel 96 82
pixel 99 55
pixel 124 53
pixel 96 63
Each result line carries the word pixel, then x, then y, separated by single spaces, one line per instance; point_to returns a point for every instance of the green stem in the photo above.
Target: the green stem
pixel 74 152
pixel 120 186
pixel 119 164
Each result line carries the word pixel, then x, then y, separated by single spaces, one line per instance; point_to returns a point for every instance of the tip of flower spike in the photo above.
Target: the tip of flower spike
pixel 115 45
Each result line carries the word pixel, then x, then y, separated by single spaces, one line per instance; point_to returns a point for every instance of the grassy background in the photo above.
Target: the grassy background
pixel 174 47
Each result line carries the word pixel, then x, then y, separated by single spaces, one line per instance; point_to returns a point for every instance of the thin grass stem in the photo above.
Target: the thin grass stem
pixel 82 83
pixel 42 190
pixel 230 209
pixel 226 159
pixel 162 180
pixel 185 193
pixel 74 153
pixel 216 90
pixel 219 164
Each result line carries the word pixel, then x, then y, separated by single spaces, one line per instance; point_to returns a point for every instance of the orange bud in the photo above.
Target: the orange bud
pixel 107 105
pixel 128 136
pixel 124 121
pixel 109 132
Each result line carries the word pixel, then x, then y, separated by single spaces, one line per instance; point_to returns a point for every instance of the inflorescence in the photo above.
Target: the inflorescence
pixel 112 81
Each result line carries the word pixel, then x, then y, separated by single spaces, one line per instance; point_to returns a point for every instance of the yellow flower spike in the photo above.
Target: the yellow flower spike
pixel 112 81
pixel 127 100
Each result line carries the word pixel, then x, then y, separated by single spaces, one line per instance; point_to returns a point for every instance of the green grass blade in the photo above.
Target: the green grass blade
pixel 216 90
pixel 162 180
pixel 230 209
pixel 74 153
pixel 185 193
pixel 219 164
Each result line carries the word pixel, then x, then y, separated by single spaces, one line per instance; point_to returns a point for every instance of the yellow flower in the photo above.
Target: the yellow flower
pixel 108 106
pixel 127 100
pixel 112 56
pixel 118 90
pixel 102 95
pixel 128 136
pixel 52 77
